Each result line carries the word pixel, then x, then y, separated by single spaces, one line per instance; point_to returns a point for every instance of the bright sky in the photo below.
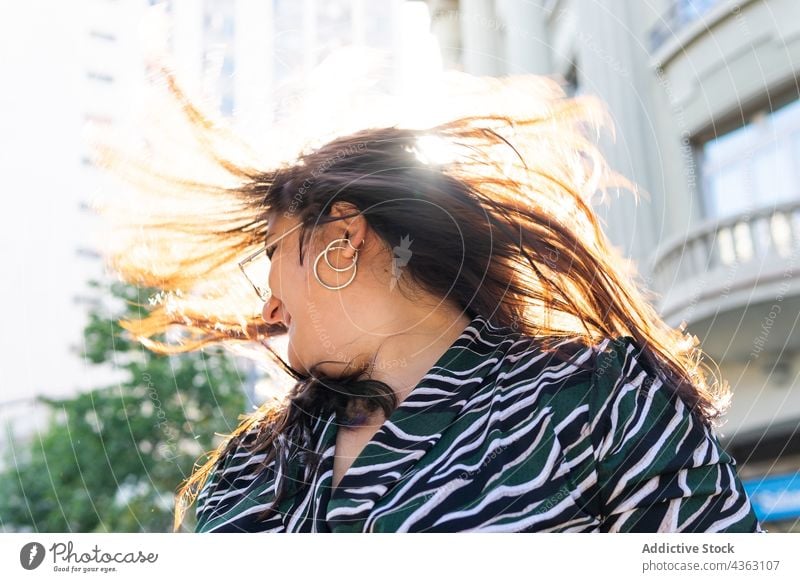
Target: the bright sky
pixel 39 144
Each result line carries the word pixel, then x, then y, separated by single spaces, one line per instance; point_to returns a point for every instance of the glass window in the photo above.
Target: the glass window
pixel 334 26
pixel 755 165
pixel 729 193
pixel 772 167
pixel 378 29
pixel 226 103
pixel 691 10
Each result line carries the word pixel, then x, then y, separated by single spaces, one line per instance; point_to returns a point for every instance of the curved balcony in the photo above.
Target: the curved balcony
pixel 728 275
pixel 711 58
pixel 682 20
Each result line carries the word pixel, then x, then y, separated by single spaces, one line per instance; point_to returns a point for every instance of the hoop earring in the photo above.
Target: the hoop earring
pixel 331 246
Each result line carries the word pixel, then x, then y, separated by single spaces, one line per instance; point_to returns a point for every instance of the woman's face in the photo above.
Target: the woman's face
pixel 318 319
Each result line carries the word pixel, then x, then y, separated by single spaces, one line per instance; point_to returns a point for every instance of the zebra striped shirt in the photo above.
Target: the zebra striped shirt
pixel 502 436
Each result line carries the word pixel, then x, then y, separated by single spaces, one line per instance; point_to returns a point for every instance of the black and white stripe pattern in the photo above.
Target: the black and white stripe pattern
pixel 503 436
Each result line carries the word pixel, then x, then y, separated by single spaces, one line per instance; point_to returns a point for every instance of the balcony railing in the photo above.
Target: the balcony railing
pixel 767 238
pixel 680 14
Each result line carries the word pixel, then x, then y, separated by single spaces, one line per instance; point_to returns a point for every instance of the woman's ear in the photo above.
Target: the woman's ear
pixel 354 228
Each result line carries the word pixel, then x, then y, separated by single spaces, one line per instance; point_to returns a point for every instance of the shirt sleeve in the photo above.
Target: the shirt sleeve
pixel 660 469
pixel 217 483
pixel 209 488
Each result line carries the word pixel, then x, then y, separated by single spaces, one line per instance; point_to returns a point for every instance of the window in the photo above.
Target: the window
pixel 334 27
pixel 289 40
pixel 102 35
pixel 755 165
pixel 100 77
pixel 571 86
pixel 679 15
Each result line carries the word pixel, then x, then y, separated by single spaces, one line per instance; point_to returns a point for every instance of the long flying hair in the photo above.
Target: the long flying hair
pixel 496 196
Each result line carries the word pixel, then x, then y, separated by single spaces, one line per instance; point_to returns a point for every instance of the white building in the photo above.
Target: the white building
pixel 63 65
pixel 87 62
pixel 704 96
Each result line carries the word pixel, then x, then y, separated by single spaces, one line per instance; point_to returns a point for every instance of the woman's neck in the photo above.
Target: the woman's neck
pixel 403 358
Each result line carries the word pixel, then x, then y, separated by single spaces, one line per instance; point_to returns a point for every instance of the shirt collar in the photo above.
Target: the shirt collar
pixel 412 429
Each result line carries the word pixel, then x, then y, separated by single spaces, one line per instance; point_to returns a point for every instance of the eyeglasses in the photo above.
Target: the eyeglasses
pixel 256 266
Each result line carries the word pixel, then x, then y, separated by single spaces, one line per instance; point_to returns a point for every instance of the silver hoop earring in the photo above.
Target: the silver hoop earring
pixel 331 246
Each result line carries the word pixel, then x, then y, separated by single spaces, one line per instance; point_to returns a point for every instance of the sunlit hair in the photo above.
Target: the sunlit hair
pixel 506 181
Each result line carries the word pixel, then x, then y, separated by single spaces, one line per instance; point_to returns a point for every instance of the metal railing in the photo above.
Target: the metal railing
pixel 763 235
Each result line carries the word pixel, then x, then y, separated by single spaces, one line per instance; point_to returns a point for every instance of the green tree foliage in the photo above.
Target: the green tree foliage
pixel 110 460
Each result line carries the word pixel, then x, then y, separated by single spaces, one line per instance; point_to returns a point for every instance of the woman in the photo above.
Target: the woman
pixel 470 353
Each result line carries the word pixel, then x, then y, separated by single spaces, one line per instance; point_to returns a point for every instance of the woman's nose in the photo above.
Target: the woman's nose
pixel 271 312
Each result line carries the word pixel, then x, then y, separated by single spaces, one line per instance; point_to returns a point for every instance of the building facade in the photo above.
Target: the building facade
pixel 704 98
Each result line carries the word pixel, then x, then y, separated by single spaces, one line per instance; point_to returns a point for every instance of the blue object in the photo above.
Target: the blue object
pixel 776 497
